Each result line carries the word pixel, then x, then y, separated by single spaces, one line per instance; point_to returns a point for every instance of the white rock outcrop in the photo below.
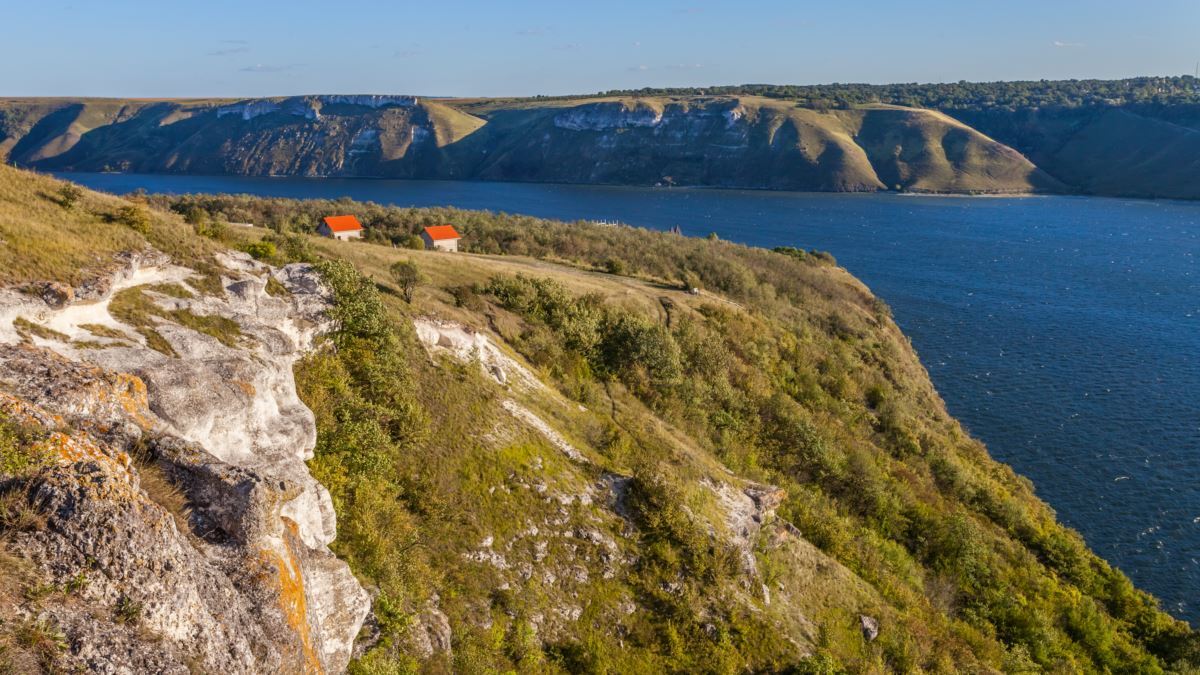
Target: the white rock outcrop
pixel 225 423
pixel 370 100
pixel 248 110
pixel 605 116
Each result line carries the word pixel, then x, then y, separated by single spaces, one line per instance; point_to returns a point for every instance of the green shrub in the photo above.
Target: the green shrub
pixel 367 419
pixel 791 251
pixel 615 266
pixel 292 247
pixel 127 611
pixel 260 250
pixel 213 229
pixel 357 308
pixel 69 195
pixel 20 452
pixel 136 217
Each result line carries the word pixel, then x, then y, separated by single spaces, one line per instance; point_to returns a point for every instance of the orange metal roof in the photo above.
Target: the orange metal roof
pixel 343 223
pixel 440 232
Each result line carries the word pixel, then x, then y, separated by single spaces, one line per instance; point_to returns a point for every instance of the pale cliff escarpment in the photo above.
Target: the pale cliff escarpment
pixel 177 502
pixel 731 139
pixel 725 141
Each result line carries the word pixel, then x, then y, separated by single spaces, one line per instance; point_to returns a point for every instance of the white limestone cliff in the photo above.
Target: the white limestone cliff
pixel 243 582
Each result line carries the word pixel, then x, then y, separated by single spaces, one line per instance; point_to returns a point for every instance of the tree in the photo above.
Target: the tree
pixel 407 277
pixel 68 195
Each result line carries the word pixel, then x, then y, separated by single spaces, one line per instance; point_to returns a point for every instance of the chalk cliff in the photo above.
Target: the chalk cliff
pixel 178 500
pixel 729 141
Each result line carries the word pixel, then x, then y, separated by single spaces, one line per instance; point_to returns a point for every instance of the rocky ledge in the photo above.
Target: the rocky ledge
pixel 177 503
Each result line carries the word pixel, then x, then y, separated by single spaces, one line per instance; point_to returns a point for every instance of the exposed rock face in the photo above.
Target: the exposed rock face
pixel 604 116
pixel 466 344
pixel 370 100
pixel 248 110
pixel 309 107
pixel 870 627
pixel 240 581
pixel 702 140
pixel 746 511
pixel 431 632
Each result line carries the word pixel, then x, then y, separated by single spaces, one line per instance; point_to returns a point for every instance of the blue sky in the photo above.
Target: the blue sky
pixel 523 47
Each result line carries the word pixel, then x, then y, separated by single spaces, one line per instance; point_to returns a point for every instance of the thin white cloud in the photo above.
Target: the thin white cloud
pixel 670 66
pixel 227 52
pixel 407 53
pixel 269 68
pixel 570 46
pixel 1059 44
pixel 235 42
pixel 533 31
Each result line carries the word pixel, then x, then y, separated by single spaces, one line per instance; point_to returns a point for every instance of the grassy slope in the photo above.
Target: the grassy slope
pixel 805 591
pixel 451 125
pixel 869 148
pixel 1122 153
pixel 792 375
pixel 42 240
pixel 927 151
pixel 476 447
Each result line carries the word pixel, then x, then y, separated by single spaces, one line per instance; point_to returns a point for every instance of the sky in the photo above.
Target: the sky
pixel 246 48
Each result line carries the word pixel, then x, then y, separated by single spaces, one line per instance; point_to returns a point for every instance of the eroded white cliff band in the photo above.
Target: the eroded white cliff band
pixel 237 401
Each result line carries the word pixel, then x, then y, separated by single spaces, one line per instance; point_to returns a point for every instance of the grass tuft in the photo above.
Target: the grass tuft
pixel 26 328
pixel 133 307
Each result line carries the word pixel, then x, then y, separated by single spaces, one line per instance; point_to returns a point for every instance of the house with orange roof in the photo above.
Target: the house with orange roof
pixel 441 238
pixel 340 227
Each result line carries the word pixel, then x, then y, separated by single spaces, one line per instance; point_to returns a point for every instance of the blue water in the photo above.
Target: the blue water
pixel 1063 331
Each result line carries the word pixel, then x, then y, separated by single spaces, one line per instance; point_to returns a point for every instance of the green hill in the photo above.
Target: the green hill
pixel 1124 137
pixel 745 141
pixel 1128 137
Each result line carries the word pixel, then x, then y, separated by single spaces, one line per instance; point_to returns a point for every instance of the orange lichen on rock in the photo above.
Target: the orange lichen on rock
pixel 129 392
pixel 73 448
pixel 133 396
pixel 27 413
pixel 292 600
pixel 246 387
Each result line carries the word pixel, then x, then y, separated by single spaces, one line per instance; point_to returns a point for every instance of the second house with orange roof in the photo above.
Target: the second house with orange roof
pixel 441 238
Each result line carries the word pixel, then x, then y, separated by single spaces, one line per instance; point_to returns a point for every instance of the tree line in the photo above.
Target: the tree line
pixel 962 95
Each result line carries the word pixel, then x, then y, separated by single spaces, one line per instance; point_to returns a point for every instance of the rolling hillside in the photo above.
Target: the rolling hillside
pixel 1128 151
pixel 744 141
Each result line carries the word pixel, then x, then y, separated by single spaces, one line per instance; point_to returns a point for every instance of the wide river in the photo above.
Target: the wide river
pixel 1063 331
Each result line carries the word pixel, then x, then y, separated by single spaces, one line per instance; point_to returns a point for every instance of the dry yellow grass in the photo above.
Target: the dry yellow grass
pixel 451 124
pixel 42 239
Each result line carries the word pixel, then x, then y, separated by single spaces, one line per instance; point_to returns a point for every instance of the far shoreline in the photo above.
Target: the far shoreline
pixel 68 175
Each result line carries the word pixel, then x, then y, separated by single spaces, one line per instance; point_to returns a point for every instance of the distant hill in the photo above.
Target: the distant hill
pixel 1119 139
